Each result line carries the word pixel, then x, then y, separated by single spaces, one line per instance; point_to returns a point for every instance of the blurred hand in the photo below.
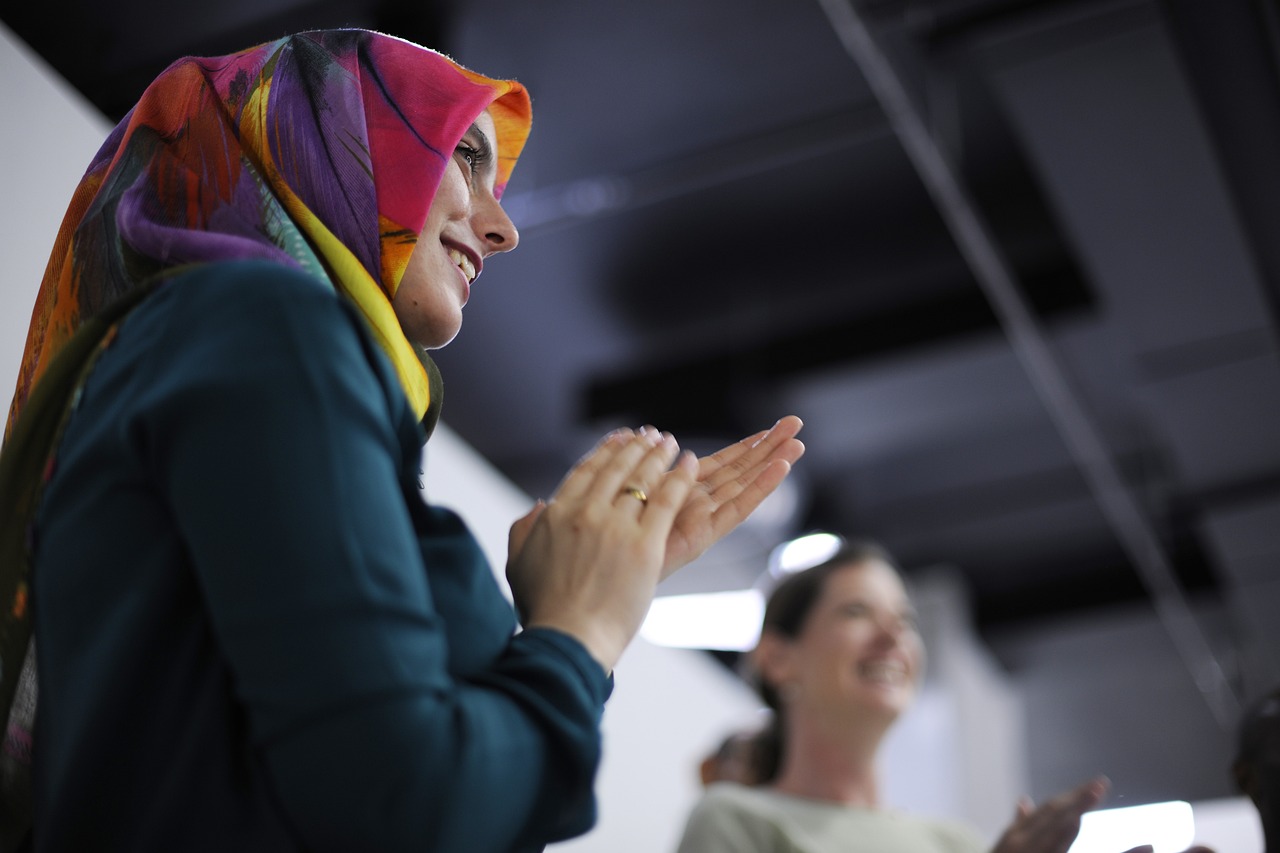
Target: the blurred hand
pixel 731 483
pixel 1052 826
pixel 587 561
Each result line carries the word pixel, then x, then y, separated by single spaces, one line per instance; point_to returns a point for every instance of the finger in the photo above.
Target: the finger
pixel 1091 793
pixel 579 479
pixel 665 503
pixel 738 464
pixel 616 474
pixel 739 498
pixel 1025 807
pixel 520 530
pixel 1057 823
pixel 647 473
pixel 760 445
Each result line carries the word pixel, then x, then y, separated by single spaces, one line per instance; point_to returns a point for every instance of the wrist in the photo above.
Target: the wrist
pixel 602 643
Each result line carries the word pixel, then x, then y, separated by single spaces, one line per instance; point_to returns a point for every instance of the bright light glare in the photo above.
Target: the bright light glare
pixel 729 621
pixel 1168 827
pixel 803 553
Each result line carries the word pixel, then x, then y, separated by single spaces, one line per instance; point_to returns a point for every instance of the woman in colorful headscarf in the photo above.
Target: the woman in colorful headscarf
pixel 247 629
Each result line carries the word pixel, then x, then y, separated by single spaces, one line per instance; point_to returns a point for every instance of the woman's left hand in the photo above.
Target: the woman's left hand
pixel 731 484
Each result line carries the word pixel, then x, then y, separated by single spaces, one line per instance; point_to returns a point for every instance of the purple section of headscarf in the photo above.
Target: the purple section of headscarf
pixel 176 244
pixel 319 143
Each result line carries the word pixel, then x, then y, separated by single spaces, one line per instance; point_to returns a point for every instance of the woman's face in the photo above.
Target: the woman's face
pixel 859 651
pixel 464 226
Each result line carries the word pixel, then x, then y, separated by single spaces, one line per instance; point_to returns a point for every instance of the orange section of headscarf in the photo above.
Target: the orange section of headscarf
pixel 321 151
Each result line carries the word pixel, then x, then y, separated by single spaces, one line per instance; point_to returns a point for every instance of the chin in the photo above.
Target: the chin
pixel 438 336
pixel 892 706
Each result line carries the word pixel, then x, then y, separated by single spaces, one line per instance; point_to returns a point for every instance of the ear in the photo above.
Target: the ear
pixel 772 658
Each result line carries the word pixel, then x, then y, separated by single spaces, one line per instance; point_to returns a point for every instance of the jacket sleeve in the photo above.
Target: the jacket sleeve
pixel 277 434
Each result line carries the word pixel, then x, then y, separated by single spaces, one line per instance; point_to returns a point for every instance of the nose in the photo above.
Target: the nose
pixel 890 629
pixel 496 230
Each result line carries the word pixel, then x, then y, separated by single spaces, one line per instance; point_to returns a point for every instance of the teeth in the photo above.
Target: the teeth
pixel 463 263
pixel 884 671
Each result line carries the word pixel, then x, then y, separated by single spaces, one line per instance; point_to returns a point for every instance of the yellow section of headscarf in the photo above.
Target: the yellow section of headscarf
pixel 344 269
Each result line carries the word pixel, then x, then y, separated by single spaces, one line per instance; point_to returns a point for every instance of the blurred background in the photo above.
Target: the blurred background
pixel 1014 262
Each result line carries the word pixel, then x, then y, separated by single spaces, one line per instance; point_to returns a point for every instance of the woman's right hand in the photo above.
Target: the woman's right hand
pixel 588 561
pixel 1052 826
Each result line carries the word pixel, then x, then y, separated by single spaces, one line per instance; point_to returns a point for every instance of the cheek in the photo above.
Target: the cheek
pixel 915 648
pixel 451 196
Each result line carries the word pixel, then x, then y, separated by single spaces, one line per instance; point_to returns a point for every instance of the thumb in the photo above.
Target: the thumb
pixel 1024 807
pixel 520 530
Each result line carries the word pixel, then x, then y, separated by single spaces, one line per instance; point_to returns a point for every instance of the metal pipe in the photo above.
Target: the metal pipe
pixel 976 243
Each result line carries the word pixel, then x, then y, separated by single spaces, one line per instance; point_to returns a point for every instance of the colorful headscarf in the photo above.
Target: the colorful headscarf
pixel 322 150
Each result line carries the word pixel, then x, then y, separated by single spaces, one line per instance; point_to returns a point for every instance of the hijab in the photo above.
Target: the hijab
pixel 321 151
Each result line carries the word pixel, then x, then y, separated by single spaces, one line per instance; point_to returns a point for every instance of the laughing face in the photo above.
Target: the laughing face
pixel 859 652
pixel 465 225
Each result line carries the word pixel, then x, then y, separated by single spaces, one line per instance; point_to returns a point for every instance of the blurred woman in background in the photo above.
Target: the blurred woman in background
pixel 839 660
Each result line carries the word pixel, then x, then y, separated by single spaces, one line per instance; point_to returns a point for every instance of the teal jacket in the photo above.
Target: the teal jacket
pixel 252 632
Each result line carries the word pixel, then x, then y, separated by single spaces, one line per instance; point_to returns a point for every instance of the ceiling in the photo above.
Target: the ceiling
pixel 1050 362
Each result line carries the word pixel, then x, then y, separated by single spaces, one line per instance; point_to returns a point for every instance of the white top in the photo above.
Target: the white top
pixel 735 819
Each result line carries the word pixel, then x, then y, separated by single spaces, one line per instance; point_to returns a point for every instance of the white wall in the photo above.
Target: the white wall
pixel 971 745
pixel 47 138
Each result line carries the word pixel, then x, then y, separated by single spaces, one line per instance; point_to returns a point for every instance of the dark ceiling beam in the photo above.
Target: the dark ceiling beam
pixel 937 23
pixel 1231 52
pixel 549 208
pixel 701 392
pixel 110 52
pixel 976 242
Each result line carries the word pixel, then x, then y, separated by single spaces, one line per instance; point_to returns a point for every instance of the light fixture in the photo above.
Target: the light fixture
pixel 802 553
pixel 725 621
pixel 1167 827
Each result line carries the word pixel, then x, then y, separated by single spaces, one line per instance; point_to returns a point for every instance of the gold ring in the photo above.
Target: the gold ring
pixel 637 493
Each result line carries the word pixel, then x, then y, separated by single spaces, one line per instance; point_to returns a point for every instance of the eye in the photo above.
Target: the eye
pixel 470 156
pixel 855 611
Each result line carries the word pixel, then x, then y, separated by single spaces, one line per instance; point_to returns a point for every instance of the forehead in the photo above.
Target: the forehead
pixel 484 124
pixel 873 580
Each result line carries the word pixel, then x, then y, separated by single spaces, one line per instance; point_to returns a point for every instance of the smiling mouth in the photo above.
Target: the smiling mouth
pixel 463 263
pixel 883 672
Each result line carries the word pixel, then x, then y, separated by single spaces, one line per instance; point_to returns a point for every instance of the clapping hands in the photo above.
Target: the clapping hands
pixel 588 560
pixel 1052 827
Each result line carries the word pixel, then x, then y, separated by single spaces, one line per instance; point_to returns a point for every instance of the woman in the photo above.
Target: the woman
pixel 1256 766
pixel 839 660
pixel 253 634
